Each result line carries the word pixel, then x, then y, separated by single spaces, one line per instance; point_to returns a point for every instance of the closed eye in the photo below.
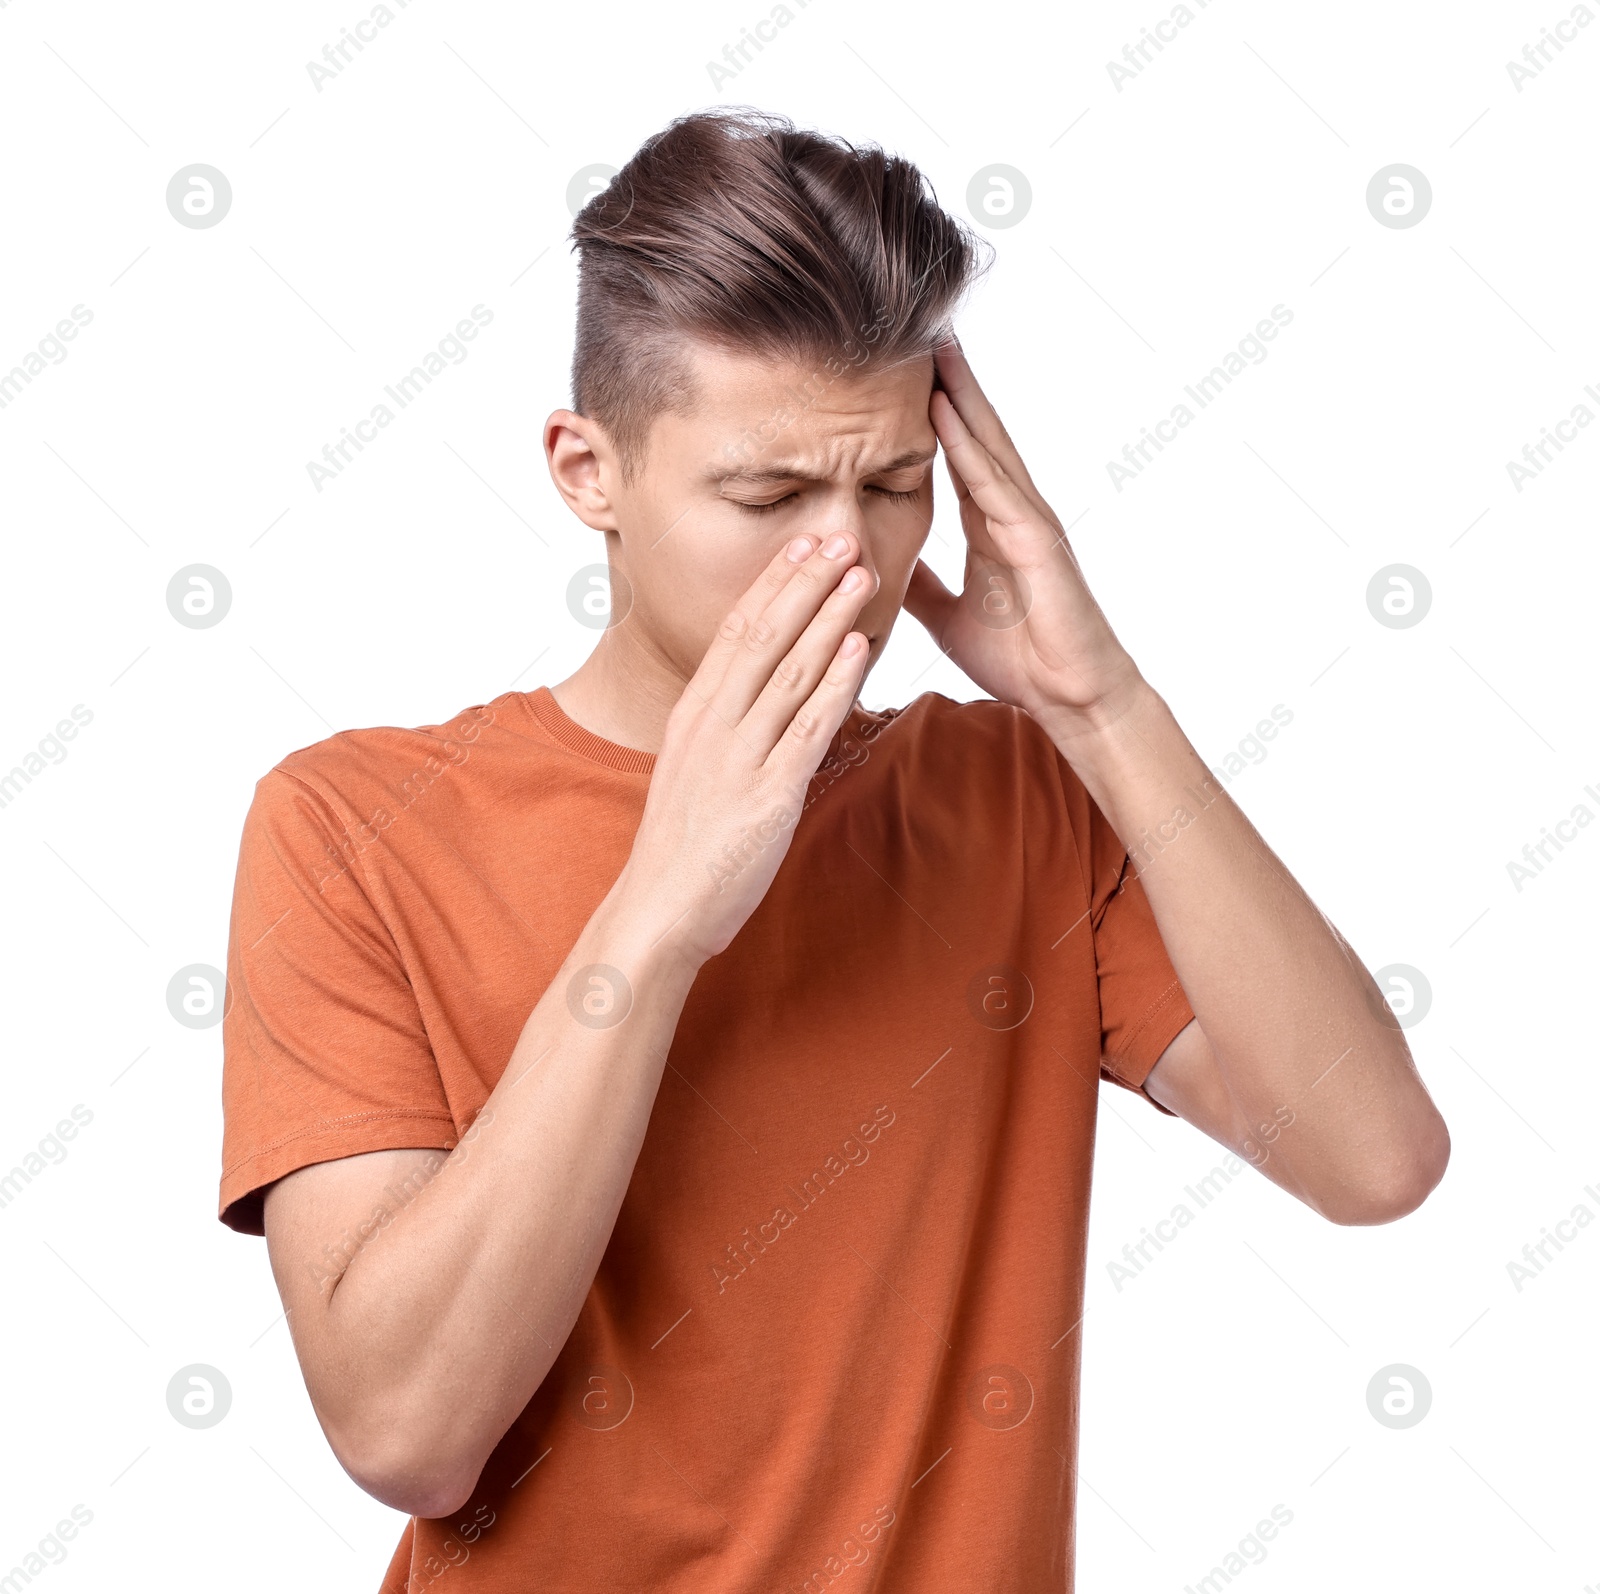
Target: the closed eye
pixel 887 493
pixel 764 509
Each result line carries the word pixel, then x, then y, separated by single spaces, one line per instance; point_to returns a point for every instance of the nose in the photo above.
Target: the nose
pixel 843 511
pixel 849 545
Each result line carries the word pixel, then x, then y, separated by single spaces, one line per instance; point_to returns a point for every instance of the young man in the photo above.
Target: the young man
pixel 669 1097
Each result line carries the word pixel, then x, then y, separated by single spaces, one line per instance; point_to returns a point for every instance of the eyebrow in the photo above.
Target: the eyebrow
pixel 767 475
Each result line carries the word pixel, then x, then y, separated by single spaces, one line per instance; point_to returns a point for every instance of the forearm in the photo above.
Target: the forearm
pixel 446 1322
pixel 1302 1041
pixel 421 1352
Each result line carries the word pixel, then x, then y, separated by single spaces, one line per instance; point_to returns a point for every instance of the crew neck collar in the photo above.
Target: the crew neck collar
pixel 570 734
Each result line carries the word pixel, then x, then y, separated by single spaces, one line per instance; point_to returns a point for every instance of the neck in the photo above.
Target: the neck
pixel 623 692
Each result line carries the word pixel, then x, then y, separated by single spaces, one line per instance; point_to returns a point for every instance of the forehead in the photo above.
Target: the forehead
pixel 748 405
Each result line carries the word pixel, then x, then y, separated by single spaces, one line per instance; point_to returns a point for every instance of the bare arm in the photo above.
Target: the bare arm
pixel 420 1352
pixel 421 1348
pixel 1293 1058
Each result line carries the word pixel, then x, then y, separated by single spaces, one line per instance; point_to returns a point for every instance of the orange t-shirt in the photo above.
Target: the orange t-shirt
pixel 836 1324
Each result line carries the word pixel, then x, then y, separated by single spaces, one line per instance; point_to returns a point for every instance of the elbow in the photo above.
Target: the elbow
pixel 1396 1187
pixel 407 1478
pixel 416 1490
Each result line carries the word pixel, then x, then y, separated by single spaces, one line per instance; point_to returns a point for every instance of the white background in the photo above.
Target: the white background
pixel 1167 218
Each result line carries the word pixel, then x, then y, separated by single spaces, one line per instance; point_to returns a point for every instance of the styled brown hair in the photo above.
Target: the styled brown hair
pixel 733 228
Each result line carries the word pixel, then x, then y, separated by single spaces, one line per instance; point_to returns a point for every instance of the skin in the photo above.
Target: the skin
pixel 696 536
pixel 758 602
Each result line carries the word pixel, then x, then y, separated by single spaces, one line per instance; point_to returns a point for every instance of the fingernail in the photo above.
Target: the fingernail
pixel 799 550
pixel 834 547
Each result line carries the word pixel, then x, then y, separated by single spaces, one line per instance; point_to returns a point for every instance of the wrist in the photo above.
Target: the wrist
pixel 1089 731
pixel 637 920
pixel 1136 763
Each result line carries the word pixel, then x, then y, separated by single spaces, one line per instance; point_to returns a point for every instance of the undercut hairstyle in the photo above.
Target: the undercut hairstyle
pixel 732 228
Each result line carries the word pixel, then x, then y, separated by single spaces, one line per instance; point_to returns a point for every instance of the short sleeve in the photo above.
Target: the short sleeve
pixel 325 1054
pixel 1142 1004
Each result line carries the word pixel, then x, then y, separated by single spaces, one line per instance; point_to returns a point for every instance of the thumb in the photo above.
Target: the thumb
pixel 930 602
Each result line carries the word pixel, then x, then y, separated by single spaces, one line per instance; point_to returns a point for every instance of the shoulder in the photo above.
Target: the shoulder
pixel 962 756
pixel 350 767
pixel 330 800
pixel 320 808
pixel 951 732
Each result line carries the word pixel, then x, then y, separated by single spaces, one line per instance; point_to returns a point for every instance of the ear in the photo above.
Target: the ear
pixel 584 466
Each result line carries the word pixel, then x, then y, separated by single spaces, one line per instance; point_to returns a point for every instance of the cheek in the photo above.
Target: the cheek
pixel 694 577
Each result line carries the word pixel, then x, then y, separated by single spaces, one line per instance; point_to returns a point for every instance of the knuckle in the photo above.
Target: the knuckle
pixel 732 627
pixel 761 632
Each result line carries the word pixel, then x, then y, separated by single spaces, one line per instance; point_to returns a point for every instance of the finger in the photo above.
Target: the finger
pixel 963 493
pixel 790 599
pixel 795 756
pixel 731 639
pixel 979 415
pixel 974 524
pixel 792 678
pixel 988 485
pixel 930 602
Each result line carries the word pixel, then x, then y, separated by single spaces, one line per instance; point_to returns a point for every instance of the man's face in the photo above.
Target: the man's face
pixel 770 451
